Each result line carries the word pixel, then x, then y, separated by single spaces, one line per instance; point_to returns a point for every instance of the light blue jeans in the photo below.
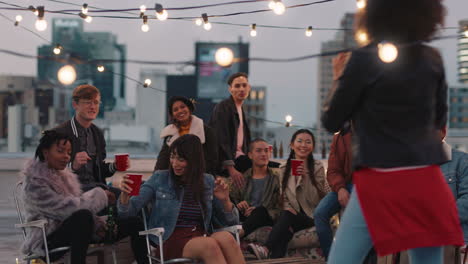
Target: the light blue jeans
pixel 325 210
pixel 353 241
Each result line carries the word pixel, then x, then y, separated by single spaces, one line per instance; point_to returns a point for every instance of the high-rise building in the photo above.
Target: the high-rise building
pixel 343 40
pixel 463 52
pixel 255 108
pixel 458 107
pixel 79 47
pixel 150 108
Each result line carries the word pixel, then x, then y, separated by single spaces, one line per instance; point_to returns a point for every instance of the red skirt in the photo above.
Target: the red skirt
pixel 173 247
pixel 408 209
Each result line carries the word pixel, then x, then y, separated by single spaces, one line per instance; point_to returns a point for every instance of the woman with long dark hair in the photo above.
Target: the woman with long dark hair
pixel 397 105
pixel 183 120
pixel 187 203
pixel 301 194
pixel 52 192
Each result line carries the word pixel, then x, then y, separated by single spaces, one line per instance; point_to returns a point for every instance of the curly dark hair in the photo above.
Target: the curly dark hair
pixel 401 20
pixel 49 137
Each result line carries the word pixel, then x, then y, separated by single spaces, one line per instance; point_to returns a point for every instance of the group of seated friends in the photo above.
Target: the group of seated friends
pixel 206 177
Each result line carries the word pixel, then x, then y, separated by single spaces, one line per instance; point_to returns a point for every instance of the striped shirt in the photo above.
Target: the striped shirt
pixel 190 214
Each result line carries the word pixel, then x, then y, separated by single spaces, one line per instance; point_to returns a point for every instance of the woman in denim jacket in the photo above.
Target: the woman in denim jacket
pixel 183 204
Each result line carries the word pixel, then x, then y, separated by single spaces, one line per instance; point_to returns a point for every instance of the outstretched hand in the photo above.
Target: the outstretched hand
pixel 221 190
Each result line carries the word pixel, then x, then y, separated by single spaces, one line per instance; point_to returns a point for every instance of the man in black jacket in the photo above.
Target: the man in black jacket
pixel 88 143
pixel 229 122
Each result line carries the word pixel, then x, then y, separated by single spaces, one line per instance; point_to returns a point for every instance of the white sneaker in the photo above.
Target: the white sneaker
pixel 260 252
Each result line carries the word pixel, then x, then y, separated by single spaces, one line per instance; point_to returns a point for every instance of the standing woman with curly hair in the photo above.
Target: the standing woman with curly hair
pixel 301 195
pixel 401 199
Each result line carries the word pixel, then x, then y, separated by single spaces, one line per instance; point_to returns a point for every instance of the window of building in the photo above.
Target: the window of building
pixel 253 95
pixel 261 95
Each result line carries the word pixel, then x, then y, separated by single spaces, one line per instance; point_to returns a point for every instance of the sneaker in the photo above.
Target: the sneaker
pixel 260 252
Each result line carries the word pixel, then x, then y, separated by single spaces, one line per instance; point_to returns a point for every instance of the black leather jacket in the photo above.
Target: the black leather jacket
pixel 225 122
pixel 396 108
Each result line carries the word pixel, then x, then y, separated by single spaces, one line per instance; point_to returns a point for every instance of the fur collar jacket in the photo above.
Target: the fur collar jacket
pixel 54 196
pixel 196 128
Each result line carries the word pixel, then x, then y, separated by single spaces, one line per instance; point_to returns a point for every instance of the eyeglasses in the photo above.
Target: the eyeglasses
pixel 91 102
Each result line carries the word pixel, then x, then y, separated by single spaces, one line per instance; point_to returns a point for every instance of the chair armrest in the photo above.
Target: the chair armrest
pixel 231 229
pixel 158 231
pixel 38 223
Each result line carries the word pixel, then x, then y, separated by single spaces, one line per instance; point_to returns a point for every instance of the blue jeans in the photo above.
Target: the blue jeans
pixel 325 210
pixel 353 241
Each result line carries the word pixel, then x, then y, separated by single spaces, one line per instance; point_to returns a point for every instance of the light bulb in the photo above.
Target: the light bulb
pixel 253 33
pixel 288 118
pixel 207 26
pixel 145 28
pixel 57 50
pixel 224 57
pixel 41 24
pixel 362 37
pixel 466 33
pixel 100 68
pixel 198 21
pixel 142 8
pixel 18 18
pixel 272 5
pixel 387 52
pixel 67 75
pixel 361 4
pixel 279 8
pixel 147 83
pixel 36 13
pixel 88 19
pixel 308 32
pixel 84 9
pixel 162 15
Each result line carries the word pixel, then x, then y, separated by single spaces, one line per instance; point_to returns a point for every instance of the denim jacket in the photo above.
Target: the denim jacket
pixel 166 198
pixel 456 174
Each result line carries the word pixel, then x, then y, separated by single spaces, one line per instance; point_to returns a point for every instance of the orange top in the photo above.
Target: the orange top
pixel 184 129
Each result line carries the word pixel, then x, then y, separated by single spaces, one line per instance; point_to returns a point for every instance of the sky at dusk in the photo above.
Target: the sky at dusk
pixel 291 87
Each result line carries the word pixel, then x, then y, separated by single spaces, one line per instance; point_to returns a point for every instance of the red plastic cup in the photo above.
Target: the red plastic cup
pixel 121 161
pixel 136 178
pixel 294 164
pixel 270 148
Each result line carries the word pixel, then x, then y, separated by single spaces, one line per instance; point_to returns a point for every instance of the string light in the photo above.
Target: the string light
pixel 84 9
pixel 57 49
pixel 466 32
pixel 224 57
pixel 288 119
pixel 272 4
pixel 86 18
pixel 145 27
pixel 41 23
pixel 198 21
pixel 147 83
pixel 308 32
pixel 253 30
pixel 388 52
pixel 66 75
pixel 142 10
pixel 361 4
pixel 100 68
pixel 279 8
pixel 361 37
pixel 33 9
pixel 206 23
pixel 161 13
pixel 18 19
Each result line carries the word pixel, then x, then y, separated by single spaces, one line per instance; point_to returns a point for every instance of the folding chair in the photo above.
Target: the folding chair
pixel 159 232
pixel 41 223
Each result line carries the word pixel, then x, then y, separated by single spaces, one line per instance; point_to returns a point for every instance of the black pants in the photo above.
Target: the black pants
pixel 258 218
pixel 76 232
pixel 283 231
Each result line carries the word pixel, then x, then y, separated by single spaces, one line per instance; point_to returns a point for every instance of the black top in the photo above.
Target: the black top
pixel 396 108
pixel 101 169
pixel 225 122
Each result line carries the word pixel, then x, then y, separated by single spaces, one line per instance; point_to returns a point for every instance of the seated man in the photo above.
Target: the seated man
pixel 259 200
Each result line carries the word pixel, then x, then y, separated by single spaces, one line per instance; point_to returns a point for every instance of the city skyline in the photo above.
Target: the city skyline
pixel 292 87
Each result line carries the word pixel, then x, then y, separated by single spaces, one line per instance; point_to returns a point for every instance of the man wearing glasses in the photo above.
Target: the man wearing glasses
pixel 88 143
